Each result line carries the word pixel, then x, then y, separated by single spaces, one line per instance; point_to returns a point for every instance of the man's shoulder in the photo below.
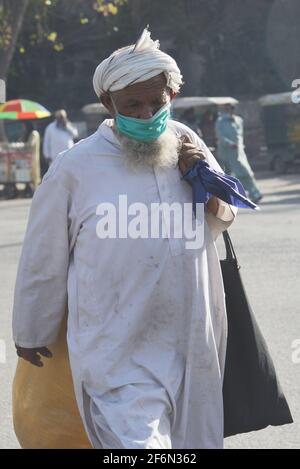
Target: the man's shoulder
pixel 181 129
pixel 81 149
pixel 69 164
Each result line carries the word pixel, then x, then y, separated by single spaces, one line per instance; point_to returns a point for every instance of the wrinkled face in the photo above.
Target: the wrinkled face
pixel 141 100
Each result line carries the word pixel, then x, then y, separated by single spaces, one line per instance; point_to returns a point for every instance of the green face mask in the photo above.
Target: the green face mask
pixel 143 130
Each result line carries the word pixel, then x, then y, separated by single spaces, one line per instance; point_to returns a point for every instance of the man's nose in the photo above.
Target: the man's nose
pixel 146 113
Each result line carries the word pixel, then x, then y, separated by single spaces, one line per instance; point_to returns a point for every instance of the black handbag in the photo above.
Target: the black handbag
pixel 252 395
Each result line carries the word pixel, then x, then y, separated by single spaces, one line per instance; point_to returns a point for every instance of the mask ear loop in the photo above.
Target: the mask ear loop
pixel 116 111
pixel 113 103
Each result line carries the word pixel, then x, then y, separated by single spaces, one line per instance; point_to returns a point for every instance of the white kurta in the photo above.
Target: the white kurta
pixel 147 321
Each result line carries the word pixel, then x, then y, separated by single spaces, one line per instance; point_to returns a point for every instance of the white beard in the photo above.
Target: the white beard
pixel 162 153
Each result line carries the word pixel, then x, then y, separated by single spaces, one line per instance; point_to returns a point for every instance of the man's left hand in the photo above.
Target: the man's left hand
pixel 189 154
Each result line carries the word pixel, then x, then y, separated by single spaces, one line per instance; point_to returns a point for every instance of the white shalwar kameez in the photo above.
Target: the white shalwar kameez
pixel 147 321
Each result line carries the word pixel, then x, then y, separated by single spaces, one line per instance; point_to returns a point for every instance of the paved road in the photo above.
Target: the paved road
pixel 267 244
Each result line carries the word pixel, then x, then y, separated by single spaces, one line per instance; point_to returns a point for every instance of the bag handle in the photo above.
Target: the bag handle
pixel 230 252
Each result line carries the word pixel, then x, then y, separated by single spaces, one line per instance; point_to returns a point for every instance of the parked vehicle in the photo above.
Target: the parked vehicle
pixel 94 114
pixel 281 122
pixel 206 113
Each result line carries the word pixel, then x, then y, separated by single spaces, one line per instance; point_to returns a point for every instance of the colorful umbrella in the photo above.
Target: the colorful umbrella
pixel 21 109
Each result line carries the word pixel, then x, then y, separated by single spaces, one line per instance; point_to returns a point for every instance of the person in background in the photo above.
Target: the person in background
pixel 207 126
pixel 59 136
pixel 189 118
pixel 231 150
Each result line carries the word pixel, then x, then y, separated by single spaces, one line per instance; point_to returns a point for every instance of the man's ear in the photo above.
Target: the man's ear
pixel 107 102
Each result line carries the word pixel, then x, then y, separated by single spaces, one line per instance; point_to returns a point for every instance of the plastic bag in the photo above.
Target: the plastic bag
pixel 45 412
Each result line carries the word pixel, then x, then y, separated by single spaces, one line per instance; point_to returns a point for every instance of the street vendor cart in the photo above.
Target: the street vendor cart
pixel 19 165
pixel 20 161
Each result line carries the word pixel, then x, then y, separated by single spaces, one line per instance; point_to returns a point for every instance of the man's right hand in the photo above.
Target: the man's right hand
pixel 33 355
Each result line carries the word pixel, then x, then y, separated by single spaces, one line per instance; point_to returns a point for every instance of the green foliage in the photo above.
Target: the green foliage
pixel 108 8
pixel 44 13
pixel 5 27
pixel 219 45
pixel 59 47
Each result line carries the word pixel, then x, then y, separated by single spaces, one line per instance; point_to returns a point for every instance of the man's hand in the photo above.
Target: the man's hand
pixel 189 154
pixel 33 355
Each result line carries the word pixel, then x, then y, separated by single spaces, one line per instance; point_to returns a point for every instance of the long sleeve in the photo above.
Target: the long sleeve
pixel 226 213
pixel 222 221
pixel 41 284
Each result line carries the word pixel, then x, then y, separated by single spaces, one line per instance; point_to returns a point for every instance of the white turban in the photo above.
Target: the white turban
pixel 136 63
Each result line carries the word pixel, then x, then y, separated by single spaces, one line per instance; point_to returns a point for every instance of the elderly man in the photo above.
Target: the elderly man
pixel 147 320
pixel 231 150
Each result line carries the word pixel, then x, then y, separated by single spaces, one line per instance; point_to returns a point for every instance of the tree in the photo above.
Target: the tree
pixel 60 46
pixel 38 42
pixel 12 14
pixel 219 46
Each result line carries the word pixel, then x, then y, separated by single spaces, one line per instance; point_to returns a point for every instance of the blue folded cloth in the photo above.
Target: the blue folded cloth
pixel 206 182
